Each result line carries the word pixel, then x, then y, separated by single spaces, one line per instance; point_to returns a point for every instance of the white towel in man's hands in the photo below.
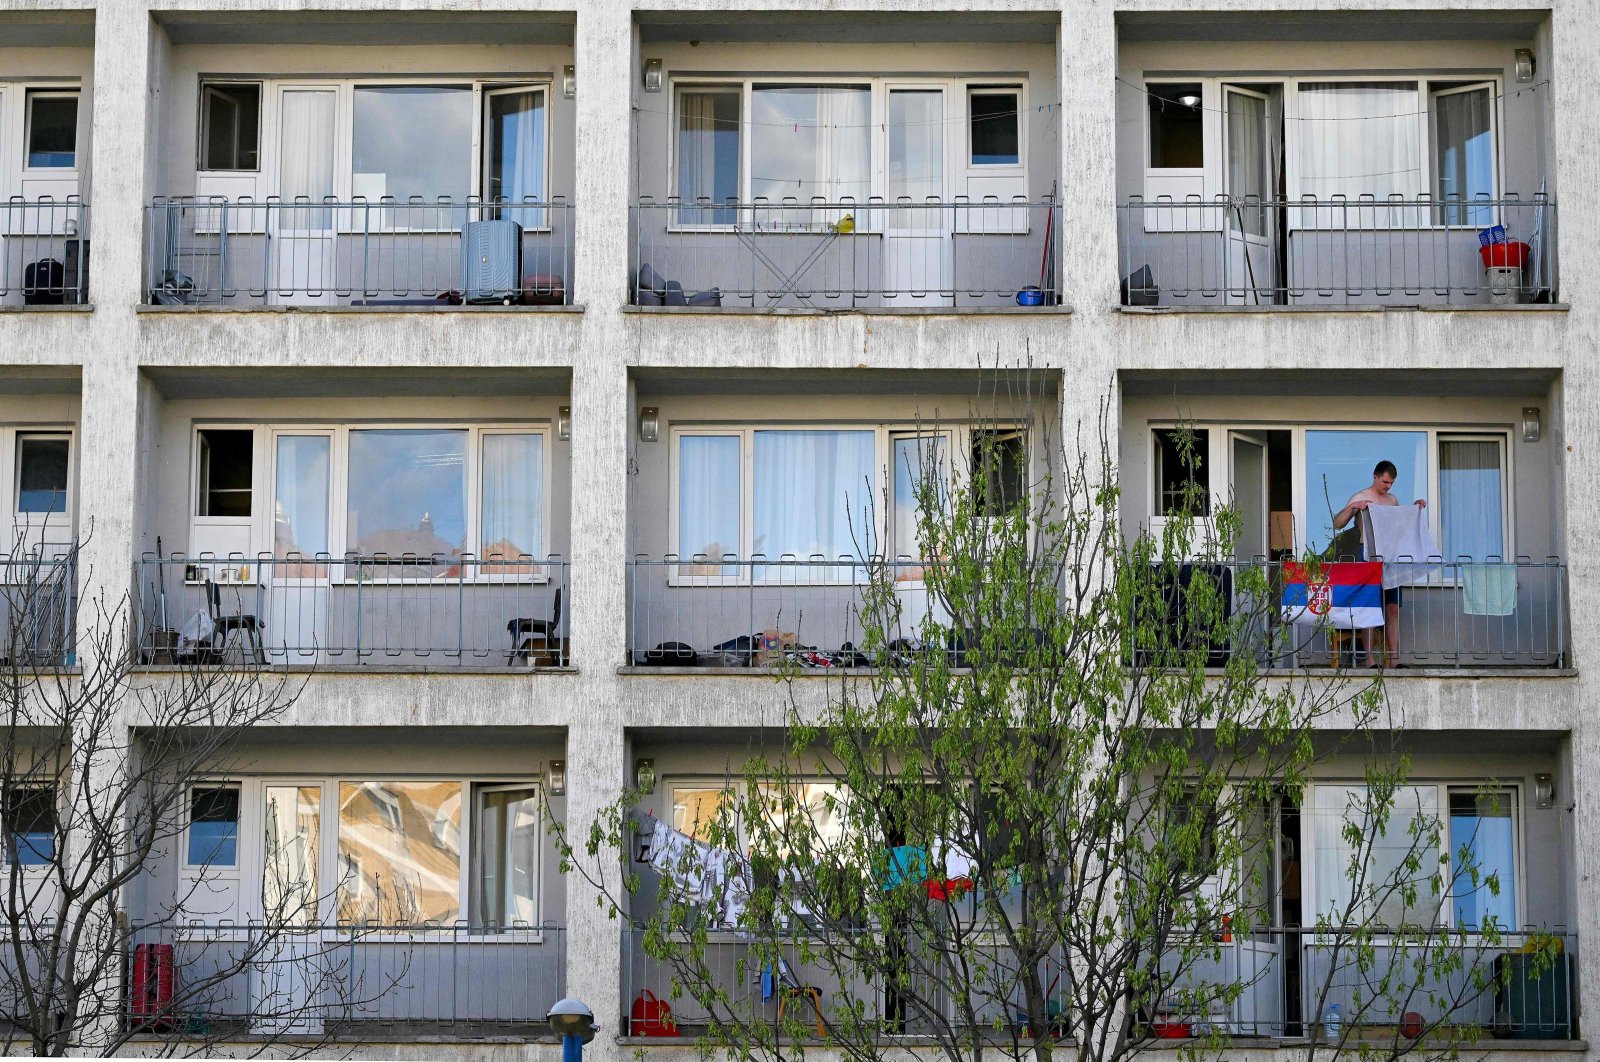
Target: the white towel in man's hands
pixel 1399 536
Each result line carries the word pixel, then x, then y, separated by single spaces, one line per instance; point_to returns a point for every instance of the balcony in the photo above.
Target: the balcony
pixel 845 255
pixel 704 612
pixel 44 252
pixel 38 609
pixel 345 982
pixel 806 613
pixel 1245 252
pixel 233 254
pixel 1283 974
pixel 375 612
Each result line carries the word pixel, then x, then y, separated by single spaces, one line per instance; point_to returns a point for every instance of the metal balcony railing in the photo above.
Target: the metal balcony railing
pixel 371 611
pixel 1453 614
pixel 765 613
pixel 355 982
pixel 807 612
pixel 44 252
pixel 240 253
pixel 1366 251
pixel 846 255
pixel 38 608
pixel 1475 985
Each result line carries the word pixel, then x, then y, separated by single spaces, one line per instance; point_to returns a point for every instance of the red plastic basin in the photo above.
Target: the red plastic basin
pixel 1512 253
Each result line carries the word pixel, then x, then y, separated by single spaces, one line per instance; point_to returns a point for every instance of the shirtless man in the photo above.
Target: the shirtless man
pixel 1383 477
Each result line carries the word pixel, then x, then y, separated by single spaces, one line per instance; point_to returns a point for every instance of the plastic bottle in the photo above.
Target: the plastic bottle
pixel 1332 1024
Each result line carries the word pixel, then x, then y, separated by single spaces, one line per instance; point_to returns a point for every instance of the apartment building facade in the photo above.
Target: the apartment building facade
pixel 764 253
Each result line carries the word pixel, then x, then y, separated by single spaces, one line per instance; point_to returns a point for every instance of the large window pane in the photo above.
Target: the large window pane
pixel 813 494
pixel 53 129
pixel 1464 145
pixel 292 834
pixel 513 501
pixel 306 157
pixel 230 126
pixel 214 827
pixel 917 458
pixel 1340 463
pixel 506 885
pixel 811 142
pixel 708 496
pixel 696 809
pixel 42 469
pixel 408 492
pixel 300 504
pixel 708 154
pixel 1483 831
pixel 1411 830
pixel 413 141
pixel 399 852
pixel 1360 138
pixel 1472 498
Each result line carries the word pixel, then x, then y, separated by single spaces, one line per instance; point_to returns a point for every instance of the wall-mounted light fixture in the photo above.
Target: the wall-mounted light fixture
pixel 644 775
pixel 563 422
pixel 1544 791
pixel 649 424
pixel 558 776
pixel 1531 427
pixel 653 77
pixel 1526 64
pixel 569 81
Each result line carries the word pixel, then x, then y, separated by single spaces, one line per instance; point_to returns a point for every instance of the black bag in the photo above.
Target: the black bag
pixel 44 283
pixel 672 654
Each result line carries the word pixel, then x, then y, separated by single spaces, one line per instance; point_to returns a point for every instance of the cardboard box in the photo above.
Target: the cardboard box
pixel 1280 531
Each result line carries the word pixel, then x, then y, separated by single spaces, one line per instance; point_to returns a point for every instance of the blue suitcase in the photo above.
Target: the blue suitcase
pixel 491 262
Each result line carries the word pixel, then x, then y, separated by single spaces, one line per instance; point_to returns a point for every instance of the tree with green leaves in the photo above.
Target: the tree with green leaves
pixel 1045 819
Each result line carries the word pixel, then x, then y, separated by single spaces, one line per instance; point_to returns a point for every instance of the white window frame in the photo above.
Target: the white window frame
pixel 470 862
pixel 252 857
pixel 957 141
pixel 960 436
pixel 349 222
pixel 1313 812
pixel 208 84
pixel 34 92
pixel 996 88
pixel 219 870
pixel 1218 462
pixel 265 471
pixel 486 92
pixel 1497 161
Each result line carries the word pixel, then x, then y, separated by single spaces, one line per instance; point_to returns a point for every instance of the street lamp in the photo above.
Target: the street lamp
pixel 573 1021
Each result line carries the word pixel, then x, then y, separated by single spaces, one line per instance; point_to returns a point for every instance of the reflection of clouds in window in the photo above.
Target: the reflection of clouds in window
pixel 413 140
pixel 408 491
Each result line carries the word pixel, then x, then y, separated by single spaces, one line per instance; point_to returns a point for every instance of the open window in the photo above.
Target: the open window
pixel 507 830
pixel 1182 475
pixel 213 836
pixel 999 469
pixel 1464 152
pixel 226 473
pixel 230 126
pixel 52 129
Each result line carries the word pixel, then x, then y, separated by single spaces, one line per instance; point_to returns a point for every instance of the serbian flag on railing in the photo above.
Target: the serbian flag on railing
pixel 1345 594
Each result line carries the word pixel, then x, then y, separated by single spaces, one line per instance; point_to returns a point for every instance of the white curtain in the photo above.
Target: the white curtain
pixel 519 152
pixel 1360 138
pixel 811 142
pixel 300 496
pixel 708 154
pixel 813 493
pixel 708 496
pixel 915 459
pixel 513 500
pixel 1413 817
pixel 305 162
pixel 1247 161
pixel 1471 499
pixel 1465 151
